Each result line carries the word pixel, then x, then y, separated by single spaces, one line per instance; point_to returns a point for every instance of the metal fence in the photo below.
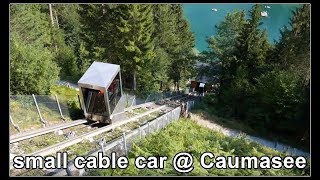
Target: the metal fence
pixel 29 112
pixel 123 144
pixel 35 111
pixel 136 100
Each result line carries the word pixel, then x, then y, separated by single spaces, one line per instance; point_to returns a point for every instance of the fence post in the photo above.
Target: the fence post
pixel 101 143
pixel 140 132
pixel 148 127
pixel 14 125
pixel 41 119
pixel 62 117
pixel 147 98
pixel 125 144
pixel 187 109
pixel 133 100
pixel 162 122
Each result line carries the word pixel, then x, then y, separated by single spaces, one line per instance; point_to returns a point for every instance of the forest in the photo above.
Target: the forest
pixel 263 84
pixel 153 44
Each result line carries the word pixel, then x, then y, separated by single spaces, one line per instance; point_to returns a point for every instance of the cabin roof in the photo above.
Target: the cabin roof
pixel 100 74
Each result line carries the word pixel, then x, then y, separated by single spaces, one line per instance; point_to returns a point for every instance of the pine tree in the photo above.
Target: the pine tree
pixel 222 45
pixel 134 46
pixel 252 45
pixel 181 50
pixel 162 36
pixel 293 49
pixel 92 34
pixel 243 64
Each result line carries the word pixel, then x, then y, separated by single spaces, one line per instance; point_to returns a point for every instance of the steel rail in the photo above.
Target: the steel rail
pixel 38 132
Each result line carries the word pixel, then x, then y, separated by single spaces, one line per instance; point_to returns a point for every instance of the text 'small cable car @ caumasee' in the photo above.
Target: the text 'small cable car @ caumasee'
pixel 100 91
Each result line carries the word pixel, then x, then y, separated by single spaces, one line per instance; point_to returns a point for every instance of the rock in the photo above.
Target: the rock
pixel 16 150
pixel 70 134
pixel 73 171
pixel 90 139
pixel 58 132
pixel 128 130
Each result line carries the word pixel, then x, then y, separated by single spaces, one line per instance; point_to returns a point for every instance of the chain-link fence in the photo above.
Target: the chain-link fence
pixel 137 100
pixel 29 112
pixel 130 100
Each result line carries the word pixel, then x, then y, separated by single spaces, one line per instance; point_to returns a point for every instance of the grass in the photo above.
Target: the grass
pixel 140 110
pixel 186 135
pixel 12 129
pixel 210 114
pixel 24 113
pixel 27 117
pixel 64 92
pixel 40 142
pixel 30 172
pixel 24 116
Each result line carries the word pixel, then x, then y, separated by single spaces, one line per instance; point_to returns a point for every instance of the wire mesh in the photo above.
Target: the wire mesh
pixel 25 115
pixel 24 112
pixel 49 109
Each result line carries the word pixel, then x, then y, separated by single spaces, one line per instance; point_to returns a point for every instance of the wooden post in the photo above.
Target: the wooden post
pixel 14 125
pixel 41 119
pixel 140 132
pixel 63 118
pixel 125 144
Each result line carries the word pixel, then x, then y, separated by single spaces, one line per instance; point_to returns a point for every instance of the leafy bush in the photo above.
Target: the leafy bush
pixel 70 96
pixel 280 97
pixel 74 108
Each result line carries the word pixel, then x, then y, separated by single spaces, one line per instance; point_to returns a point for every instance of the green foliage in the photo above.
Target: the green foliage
pixel 264 86
pixel 150 42
pixel 70 96
pixel 280 95
pixel 293 49
pixel 135 51
pixel 252 45
pixel 74 108
pixel 174 139
pixel 32 69
pixel 181 50
pixel 65 56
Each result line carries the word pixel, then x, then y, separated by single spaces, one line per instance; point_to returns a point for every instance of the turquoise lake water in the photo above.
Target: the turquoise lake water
pixel 202 18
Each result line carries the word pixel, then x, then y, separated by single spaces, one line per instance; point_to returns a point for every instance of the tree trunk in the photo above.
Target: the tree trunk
pixel 51 16
pixel 55 14
pixel 134 80
pixel 177 85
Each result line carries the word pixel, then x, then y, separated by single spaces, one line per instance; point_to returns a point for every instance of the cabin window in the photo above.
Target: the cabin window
pixel 94 101
pixel 114 93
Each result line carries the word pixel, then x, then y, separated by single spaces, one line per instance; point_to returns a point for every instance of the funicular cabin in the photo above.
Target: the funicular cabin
pixel 100 91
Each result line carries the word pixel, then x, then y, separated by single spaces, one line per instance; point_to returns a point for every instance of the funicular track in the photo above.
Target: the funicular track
pixel 38 132
pixel 151 106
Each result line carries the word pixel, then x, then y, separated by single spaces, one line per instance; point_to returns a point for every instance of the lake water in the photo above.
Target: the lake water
pixel 203 17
